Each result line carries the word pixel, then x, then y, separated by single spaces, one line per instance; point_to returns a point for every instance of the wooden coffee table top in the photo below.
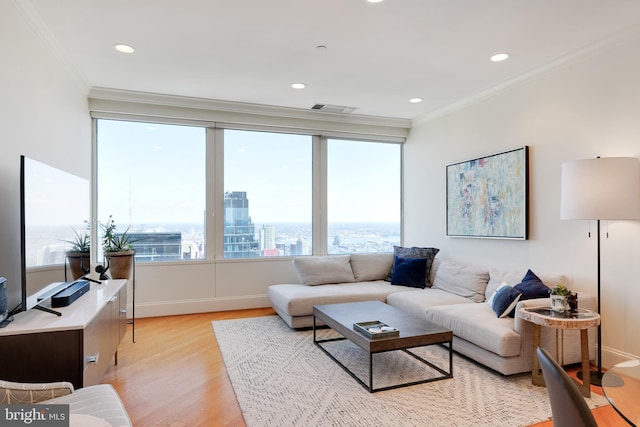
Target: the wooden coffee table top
pixel 414 332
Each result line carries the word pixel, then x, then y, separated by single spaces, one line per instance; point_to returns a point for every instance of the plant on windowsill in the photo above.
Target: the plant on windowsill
pixel 117 248
pixel 78 255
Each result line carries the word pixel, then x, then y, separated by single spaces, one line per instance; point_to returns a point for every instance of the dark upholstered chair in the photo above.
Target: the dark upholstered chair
pixel 568 407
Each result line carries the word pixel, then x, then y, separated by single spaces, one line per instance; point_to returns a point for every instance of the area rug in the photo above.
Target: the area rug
pixel 282 379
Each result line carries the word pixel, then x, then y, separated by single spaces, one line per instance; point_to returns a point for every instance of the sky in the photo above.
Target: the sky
pixel 148 173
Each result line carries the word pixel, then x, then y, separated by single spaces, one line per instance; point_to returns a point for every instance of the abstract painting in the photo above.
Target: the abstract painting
pixel 488 197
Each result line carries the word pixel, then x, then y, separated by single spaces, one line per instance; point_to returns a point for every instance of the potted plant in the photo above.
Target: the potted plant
pixel 79 255
pixel 559 298
pixel 117 249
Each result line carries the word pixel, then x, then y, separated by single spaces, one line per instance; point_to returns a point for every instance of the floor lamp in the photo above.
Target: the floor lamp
pixel 600 189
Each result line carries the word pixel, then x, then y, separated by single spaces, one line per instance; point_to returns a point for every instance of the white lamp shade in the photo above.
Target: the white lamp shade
pixel 602 188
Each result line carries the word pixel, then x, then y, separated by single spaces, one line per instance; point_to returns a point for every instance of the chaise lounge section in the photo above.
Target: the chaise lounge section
pixel 456 296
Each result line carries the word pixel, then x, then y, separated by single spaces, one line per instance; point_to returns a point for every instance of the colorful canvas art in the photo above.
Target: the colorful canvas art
pixel 487 197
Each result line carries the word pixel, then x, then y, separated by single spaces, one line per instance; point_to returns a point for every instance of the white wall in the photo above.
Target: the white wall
pixel 181 288
pixel 43 114
pixel 585 109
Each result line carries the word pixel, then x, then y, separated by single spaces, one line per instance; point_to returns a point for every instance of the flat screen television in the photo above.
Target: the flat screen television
pixel 53 204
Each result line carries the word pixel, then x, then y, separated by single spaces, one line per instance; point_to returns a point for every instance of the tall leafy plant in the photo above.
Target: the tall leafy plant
pixel 112 242
pixel 82 242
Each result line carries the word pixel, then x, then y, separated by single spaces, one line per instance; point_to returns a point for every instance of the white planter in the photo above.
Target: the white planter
pixel 559 303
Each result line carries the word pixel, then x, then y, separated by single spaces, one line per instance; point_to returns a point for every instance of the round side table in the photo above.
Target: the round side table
pixel 580 319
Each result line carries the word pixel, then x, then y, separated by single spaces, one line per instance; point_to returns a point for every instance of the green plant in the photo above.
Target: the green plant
pixel 560 290
pixel 112 242
pixel 82 241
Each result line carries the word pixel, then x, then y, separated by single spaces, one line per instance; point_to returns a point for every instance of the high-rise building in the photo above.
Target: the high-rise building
pixel 267 237
pixel 302 247
pixel 239 230
pixel 157 246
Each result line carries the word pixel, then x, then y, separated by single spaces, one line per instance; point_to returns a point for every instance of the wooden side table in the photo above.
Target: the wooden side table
pixel 580 319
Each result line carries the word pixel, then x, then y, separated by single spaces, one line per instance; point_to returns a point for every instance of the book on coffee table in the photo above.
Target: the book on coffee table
pixel 376 329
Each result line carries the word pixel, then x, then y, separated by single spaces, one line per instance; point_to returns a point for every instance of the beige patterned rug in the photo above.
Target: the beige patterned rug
pixel 282 379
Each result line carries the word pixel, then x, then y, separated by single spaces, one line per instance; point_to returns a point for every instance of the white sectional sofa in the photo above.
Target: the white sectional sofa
pixel 457 297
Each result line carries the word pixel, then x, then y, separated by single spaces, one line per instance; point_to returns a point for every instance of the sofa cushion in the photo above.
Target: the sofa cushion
pixel 464 280
pixel 319 270
pixel 367 267
pixel 299 300
pixel 409 272
pixel 532 287
pixel 418 301
pixel 478 324
pixel 415 252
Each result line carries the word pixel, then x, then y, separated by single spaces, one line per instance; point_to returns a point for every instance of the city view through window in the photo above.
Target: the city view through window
pixel 159 191
pixel 244 239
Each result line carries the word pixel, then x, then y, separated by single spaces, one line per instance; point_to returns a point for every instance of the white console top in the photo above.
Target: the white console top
pixel 77 315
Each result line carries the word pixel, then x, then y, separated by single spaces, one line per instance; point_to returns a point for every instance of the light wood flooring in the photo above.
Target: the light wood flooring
pixel 174 375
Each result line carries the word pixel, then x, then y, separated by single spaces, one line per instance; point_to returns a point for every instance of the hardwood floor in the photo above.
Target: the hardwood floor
pixel 174 375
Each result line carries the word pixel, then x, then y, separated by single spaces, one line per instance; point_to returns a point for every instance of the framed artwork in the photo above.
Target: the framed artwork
pixel 488 197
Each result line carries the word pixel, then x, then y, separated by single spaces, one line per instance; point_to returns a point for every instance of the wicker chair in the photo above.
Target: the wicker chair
pixel 98 402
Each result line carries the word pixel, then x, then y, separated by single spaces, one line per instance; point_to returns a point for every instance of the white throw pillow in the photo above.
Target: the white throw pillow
pixel 464 280
pixel 368 267
pixel 320 270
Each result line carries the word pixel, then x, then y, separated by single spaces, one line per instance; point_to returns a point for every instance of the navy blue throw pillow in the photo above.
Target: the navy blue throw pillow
pixel 414 252
pixel 409 272
pixel 532 287
pixel 505 301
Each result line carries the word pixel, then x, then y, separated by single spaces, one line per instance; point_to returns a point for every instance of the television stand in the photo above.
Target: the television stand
pixel 78 346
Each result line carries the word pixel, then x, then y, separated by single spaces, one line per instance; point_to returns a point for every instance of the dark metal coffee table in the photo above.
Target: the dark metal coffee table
pixel 414 332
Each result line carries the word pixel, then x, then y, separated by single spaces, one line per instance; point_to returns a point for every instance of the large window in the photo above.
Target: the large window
pixel 363 196
pixel 152 178
pixel 267 194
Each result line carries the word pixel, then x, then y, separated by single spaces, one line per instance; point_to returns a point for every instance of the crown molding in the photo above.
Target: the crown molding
pixel 551 66
pixel 31 16
pixel 105 100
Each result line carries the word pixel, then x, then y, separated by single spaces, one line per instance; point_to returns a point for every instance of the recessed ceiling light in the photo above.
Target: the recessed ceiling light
pixel 415 100
pixel 124 48
pixel 374 1
pixel 499 57
pixel 298 85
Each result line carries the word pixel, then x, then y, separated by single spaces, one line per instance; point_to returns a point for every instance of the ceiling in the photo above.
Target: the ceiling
pixel 376 57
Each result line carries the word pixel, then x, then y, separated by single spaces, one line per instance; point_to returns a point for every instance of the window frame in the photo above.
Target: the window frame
pixel 214 163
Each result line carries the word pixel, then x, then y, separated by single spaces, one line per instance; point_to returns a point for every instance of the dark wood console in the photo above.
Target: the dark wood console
pixel 77 347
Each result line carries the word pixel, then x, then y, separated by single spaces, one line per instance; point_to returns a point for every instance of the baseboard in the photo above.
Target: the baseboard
pixel 611 356
pixel 172 308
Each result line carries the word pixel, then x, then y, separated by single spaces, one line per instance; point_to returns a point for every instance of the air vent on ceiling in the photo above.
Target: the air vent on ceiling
pixel 327 108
